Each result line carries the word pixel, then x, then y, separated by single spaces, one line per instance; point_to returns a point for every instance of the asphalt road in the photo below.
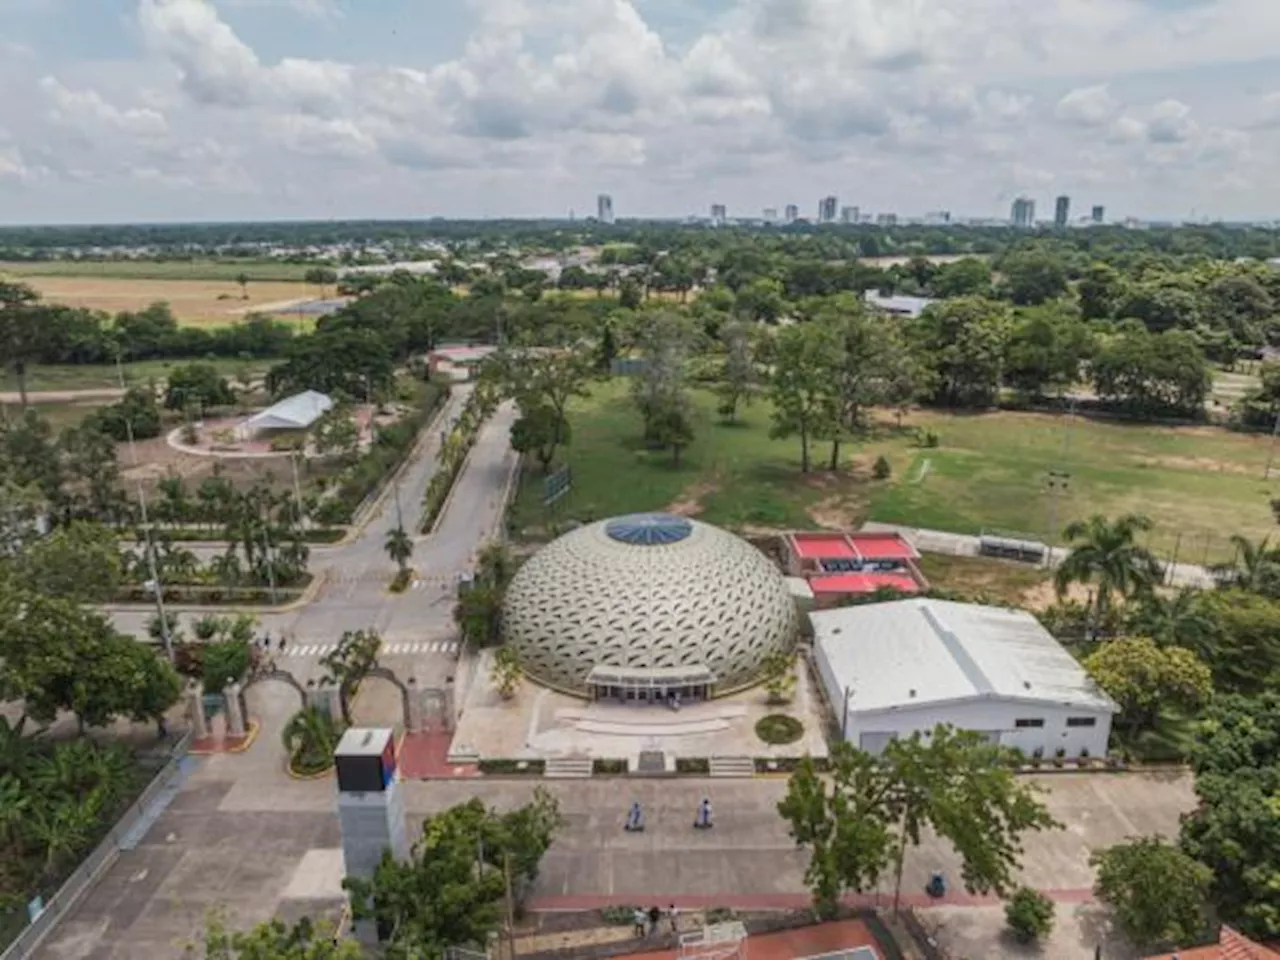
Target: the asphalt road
pixel 417 625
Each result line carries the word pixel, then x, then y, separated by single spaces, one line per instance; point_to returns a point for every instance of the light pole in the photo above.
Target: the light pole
pixel 128 422
pixel 1271 453
pixel 844 720
pixel 156 586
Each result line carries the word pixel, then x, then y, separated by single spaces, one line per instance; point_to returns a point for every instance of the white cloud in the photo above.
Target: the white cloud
pixel 1170 122
pixel 1087 106
pixel 88 107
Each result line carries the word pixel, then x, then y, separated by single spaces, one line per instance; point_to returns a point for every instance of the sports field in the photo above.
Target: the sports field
pixel 158 269
pixel 195 302
pixel 990 471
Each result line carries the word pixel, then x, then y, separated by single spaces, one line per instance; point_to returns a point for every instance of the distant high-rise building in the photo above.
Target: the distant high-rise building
pixel 827 209
pixel 1098 214
pixel 1024 212
pixel 886 219
pixel 849 214
pixel 719 213
pixel 770 214
pixel 937 217
pixel 792 213
pixel 604 208
pixel 1061 211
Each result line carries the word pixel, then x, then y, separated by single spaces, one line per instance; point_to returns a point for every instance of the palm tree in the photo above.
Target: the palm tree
pixel 310 737
pixel 63 829
pixel 1255 567
pixel 1108 555
pixel 1178 621
pixel 15 803
pixel 399 547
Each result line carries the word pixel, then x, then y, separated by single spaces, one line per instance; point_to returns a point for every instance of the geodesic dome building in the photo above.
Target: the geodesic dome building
pixel 643 606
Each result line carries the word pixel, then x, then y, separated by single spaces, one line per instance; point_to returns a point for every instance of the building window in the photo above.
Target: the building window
pixel 1033 722
pixel 1082 721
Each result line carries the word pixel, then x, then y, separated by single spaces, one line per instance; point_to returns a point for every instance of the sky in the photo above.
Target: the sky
pixel 180 110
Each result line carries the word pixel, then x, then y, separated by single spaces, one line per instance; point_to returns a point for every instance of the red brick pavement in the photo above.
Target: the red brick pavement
pixel 424 756
pixel 801 942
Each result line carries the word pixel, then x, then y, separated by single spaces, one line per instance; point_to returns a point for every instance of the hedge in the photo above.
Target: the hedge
pixel 789 764
pixel 693 765
pixel 512 767
pixel 200 595
pixel 453 453
pixel 608 766
pixel 215 534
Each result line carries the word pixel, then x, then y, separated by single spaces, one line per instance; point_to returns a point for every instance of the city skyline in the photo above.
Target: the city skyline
pixel 171 110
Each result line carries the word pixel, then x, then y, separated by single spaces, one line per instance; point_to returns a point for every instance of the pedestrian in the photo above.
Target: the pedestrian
pixel 635 818
pixel 638 921
pixel 282 644
pixel 674 914
pixel 655 915
pixel 702 819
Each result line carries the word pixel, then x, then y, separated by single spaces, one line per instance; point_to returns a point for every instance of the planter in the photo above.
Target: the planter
pixel 508 767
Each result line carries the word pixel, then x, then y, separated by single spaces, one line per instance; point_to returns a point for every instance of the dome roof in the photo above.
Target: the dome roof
pixel 648 592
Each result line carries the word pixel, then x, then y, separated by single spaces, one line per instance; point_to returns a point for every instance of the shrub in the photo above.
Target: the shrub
pixel 224 660
pixel 881 469
pixel 619 916
pixel 1029 914
pixel 697 765
pixel 778 728
pixel 513 767
pixel 136 411
pixel 719 915
pixel 400 583
pixel 608 767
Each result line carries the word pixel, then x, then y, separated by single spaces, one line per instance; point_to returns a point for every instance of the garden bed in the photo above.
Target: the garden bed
pixel 508 767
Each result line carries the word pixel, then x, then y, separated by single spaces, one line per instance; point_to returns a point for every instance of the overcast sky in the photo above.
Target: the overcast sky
pixel 124 110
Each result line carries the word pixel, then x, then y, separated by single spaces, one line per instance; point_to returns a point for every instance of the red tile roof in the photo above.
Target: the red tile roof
pixel 1231 945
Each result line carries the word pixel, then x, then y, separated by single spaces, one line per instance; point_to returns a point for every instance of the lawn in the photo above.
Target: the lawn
pixel 989 472
pixel 194 302
pixel 159 270
pixel 105 376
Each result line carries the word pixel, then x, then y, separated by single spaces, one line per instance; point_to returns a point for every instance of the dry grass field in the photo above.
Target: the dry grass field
pixel 196 302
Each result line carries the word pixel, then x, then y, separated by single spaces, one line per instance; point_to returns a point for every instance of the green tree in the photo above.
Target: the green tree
pixel 1098 290
pixel 969 277
pixel 738 375
pixel 543 383
pixel 24 331
pixel 450 890
pixel 93 489
pixel 322 277
pixel 347 664
pixel 1254 567
pixel 197 385
pixel 539 431
pixel 1045 352
pixel 780 677
pixel 1158 893
pixel 802 385
pixel 665 340
pixel 478 614
pixel 670 429
pixel 80 561
pixel 630 293
pixel 963 342
pixel 242 279
pixel 506 671
pixel 952 782
pixel 1107 555
pixel 1180 620
pixel 761 301
pixel 273 940
pixel 338 434
pixel 1033 276
pixel 1142 679
pixel 399 547
pixel 1029 914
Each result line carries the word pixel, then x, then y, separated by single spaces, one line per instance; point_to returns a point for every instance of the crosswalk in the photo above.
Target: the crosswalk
pixel 318 650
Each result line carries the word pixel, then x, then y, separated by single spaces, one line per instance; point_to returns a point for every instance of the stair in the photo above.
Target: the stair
pixel 462 755
pixel 564 768
pixel 731 767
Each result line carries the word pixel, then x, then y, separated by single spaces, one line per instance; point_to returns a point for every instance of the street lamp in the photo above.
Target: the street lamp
pixel 844 720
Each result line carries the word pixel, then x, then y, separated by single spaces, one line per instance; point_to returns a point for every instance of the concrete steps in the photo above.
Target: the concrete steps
pixel 565 768
pixel 639 728
pixel 731 767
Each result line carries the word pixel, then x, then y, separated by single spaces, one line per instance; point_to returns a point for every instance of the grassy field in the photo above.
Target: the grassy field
pixel 989 472
pixel 194 302
pixel 205 270
pixel 95 377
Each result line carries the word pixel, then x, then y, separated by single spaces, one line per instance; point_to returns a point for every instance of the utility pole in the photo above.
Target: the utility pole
pixel 156 586
pixel 1271 453
pixel 395 490
pixel 128 423
pixel 511 907
pixel 1173 562
pixel 1059 481
pixel 297 487
pixel 271 564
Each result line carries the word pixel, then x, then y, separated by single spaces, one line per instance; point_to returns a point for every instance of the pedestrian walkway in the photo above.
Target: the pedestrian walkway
pixel 317 650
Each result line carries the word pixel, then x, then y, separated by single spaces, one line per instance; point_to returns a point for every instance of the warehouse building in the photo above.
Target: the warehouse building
pixel 893 669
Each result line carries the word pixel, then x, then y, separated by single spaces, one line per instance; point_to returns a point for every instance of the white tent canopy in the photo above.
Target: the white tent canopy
pixel 293 413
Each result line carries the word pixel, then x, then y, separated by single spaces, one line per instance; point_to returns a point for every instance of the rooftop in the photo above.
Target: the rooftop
pixel 898 303
pixel 934 651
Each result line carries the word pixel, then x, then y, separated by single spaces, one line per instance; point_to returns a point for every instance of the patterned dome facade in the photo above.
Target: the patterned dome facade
pixel 648 591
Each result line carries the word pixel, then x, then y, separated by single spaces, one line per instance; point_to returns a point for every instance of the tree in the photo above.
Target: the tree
pixel 1033 276
pixel 1107 555
pixel 1045 352
pixel 80 561
pixel 450 890
pixel 969 277
pixel 953 782
pixel 273 940
pixel 338 434
pixel 23 331
pixel 349 663
pixel 630 293
pixel 670 429
pixel 1254 567
pixel 399 546
pixel 1029 914
pixel 543 383
pixel 737 373
pixel 802 385
pixel 1142 678
pixel 1098 290
pixel 963 342
pixel 780 674
pixel 93 475
pixel 1158 893
pixel 539 431
pixel 506 671
pixel 197 385
pixel 761 301
pixel 136 416
pixel 665 340
pixel 1181 620
pixel 353 362
pixel 322 277
pixel 242 279
pixel 478 614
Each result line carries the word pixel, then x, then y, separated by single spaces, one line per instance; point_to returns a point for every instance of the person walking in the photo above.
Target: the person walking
pixel 655 916
pixel 638 921
pixel 674 914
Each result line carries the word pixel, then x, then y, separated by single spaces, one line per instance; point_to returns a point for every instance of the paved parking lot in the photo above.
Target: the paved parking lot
pixel 243 836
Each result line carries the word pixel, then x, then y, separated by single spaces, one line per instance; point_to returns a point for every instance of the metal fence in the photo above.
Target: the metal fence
pixel 97 863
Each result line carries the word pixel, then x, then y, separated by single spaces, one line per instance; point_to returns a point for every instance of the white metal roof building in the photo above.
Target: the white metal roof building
pixel 898 304
pixel 891 669
pixel 293 413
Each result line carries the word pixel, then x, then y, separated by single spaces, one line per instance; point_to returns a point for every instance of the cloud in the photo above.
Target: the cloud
pixel 88 107
pixel 1087 106
pixel 1170 122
